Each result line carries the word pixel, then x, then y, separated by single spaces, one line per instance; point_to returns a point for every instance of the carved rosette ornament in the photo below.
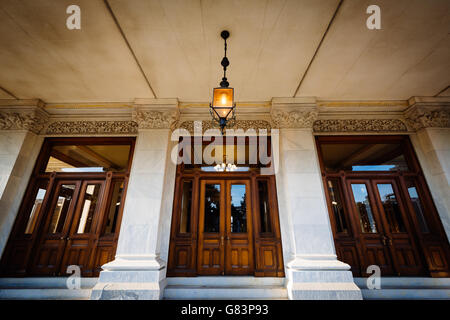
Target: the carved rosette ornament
pixel 359 125
pixel 152 119
pixel 428 117
pixel 32 120
pixel 293 119
pixel 92 127
pixel 239 124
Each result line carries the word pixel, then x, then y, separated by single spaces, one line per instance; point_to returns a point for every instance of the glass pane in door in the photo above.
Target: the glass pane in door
pixel 113 207
pixel 337 206
pixel 391 208
pixel 212 208
pixel 90 200
pixel 417 205
pixel 362 202
pixel 238 208
pixel 37 203
pixel 61 209
pixel 186 203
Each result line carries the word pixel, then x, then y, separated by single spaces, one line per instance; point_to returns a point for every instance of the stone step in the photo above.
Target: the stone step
pixel 45 294
pixel 406 294
pixel 44 288
pixel 406 288
pixel 43 282
pixel 407 283
pixel 224 281
pixel 225 292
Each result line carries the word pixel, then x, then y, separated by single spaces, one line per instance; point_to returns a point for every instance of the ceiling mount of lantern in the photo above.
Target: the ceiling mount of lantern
pixel 223 107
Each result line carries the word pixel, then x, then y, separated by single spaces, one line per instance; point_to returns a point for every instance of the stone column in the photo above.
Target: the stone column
pixel 20 122
pixel 312 268
pixel 138 272
pixel 430 118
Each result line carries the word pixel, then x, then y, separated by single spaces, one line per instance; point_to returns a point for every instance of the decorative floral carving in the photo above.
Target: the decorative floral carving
pixel 239 124
pixel 359 125
pixel 149 119
pixel 27 120
pixel 293 119
pixel 92 127
pixel 423 117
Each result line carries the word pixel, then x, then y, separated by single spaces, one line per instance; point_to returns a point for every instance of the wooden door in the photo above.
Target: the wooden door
pixel 369 225
pixel 238 233
pixel 69 234
pixel 82 236
pixel 225 242
pixel 53 237
pixel 398 232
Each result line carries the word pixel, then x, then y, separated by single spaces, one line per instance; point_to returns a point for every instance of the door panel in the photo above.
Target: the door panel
pixel 82 235
pixel 369 227
pixel 52 243
pixel 211 258
pixel 225 237
pixel 239 245
pixel 397 229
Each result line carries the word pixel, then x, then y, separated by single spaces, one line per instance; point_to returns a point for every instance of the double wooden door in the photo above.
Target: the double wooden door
pixel 386 234
pixel 70 227
pixel 225 240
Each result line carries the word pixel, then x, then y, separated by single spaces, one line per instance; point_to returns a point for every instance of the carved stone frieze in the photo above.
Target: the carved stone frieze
pixel 239 124
pixel 92 127
pixel 293 119
pixel 359 125
pixel 33 120
pixel 428 117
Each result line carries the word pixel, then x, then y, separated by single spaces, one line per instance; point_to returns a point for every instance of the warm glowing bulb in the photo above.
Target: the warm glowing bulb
pixel 224 99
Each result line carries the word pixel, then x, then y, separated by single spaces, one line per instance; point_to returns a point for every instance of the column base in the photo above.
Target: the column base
pixel 320 277
pixel 131 278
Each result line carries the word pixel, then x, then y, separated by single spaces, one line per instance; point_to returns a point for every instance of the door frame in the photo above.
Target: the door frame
pixel 432 246
pixel 183 246
pixel 19 254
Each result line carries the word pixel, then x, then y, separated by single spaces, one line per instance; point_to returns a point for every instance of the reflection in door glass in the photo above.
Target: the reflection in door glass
pixel 264 209
pixel 391 208
pixel 337 206
pixel 212 208
pixel 417 205
pixel 364 209
pixel 89 204
pixel 61 208
pixel 185 216
pixel 34 213
pixel 238 208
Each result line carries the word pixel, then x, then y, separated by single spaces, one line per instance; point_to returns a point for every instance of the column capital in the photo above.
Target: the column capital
pixel 428 112
pixel 156 113
pixel 23 115
pixel 294 112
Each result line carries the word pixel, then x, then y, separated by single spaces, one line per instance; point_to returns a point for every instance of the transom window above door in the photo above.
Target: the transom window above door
pixel 364 156
pixel 85 157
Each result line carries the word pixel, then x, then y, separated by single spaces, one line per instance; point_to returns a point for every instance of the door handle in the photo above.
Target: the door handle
pixel 383 239
pixel 221 241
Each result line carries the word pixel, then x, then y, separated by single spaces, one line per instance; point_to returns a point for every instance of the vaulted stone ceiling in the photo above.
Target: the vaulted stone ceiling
pixel 129 49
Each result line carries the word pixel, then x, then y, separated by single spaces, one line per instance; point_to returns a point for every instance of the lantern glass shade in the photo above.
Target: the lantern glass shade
pixel 223 101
